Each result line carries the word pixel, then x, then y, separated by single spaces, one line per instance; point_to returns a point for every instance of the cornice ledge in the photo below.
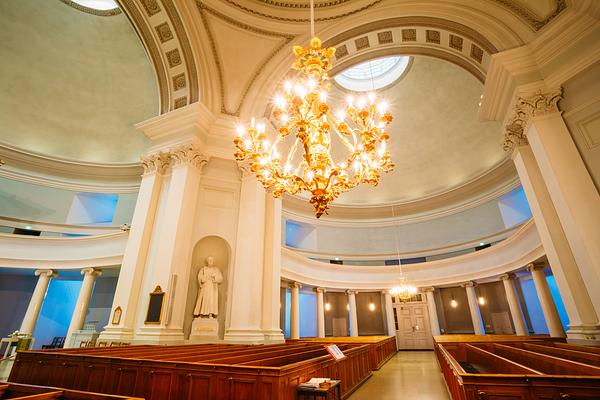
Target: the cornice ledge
pixel 189 123
pixel 40 169
pixel 506 71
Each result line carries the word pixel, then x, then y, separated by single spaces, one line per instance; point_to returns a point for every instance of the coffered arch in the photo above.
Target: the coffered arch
pixel 160 27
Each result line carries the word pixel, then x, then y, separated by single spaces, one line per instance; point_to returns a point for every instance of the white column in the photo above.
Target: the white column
pixel 548 307
pixel 583 320
pixel 37 299
pixel 474 308
pixel 508 280
pixel 127 292
pixel 168 264
pixel 295 311
pixel 572 191
pixel 352 312
pixel 389 313
pixel 433 317
pixel 246 298
pixel 272 271
pixel 320 312
pixel 81 307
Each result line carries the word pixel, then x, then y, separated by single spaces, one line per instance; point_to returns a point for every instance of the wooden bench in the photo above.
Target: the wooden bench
pixel 182 372
pixel 382 347
pixel 14 391
pixel 525 369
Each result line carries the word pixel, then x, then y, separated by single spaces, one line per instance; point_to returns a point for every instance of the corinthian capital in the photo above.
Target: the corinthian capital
pixel 515 131
pixel 540 103
pixel 188 154
pixel 156 163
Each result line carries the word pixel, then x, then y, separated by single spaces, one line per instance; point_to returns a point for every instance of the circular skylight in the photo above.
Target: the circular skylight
pixel 102 5
pixel 373 74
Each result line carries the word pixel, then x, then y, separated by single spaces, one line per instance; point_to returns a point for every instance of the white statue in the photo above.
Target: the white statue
pixel 209 278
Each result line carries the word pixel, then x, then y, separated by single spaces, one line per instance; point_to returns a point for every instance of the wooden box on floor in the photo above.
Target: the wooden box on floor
pixel 206 371
pixel 517 367
pixel 382 347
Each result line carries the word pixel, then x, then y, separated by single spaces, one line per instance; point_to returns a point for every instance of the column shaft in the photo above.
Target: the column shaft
pixel 513 304
pixel 548 307
pixel 320 313
pixel 433 318
pixel 81 307
pixel 272 271
pixel 295 311
pixel 573 193
pixel 352 312
pixel 474 308
pixel 127 292
pixel 389 314
pixel 575 296
pixel 37 299
pixel 246 296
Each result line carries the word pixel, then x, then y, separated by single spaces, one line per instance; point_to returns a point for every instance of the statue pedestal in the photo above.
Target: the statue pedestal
pixel 204 329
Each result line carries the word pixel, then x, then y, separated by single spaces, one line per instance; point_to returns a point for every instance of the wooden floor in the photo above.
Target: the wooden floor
pixel 408 375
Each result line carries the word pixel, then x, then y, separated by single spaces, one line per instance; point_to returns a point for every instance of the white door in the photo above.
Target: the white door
pixel 412 325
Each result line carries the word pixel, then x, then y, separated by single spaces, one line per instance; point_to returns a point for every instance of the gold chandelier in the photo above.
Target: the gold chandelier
pixel 302 110
pixel 403 292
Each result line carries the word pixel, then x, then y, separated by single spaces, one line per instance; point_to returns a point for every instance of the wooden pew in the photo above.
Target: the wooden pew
pixel 14 391
pixel 165 379
pixel 567 354
pixel 547 364
pixel 516 370
pixel 382 347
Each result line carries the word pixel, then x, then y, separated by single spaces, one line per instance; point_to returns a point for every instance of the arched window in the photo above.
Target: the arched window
pixel 102 5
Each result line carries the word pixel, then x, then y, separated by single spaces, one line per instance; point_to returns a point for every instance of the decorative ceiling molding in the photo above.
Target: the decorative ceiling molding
pixel 429 22
pixel 289 5
pixel 153 48
pixel 159 25
pixel 286 39
pixel 39 169
pixel 93 11
pixel 528 16
pixel 483 188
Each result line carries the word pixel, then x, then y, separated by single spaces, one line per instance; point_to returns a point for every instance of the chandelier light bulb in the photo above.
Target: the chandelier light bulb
pixel 300 91
pixel 287 169
pixel 350 100
pixel 240 130
pixel 340 115
pixel 265 143
pixel 382 107
pixel 361 102
pixel 310 175
pixel 311 84
pixel 280 101
pixel 248 143
pixel 252 122
pixel 323 97
pixel 260 128
pixel 287 86
pixel 285 117
pixel 371 97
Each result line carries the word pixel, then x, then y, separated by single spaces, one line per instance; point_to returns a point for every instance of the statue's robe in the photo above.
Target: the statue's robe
pixel 208 295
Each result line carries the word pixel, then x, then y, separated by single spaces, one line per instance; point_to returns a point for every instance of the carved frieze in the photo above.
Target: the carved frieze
pixel 515 131
pixel 156 163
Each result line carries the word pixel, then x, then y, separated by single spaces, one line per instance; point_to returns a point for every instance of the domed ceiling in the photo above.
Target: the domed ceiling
pixel 73 83
pixel 436 140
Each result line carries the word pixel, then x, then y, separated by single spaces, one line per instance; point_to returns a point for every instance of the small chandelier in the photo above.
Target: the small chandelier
pixel 403 292
pixel 302 110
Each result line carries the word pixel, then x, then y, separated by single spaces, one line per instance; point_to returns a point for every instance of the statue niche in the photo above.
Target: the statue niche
pixel 209 278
